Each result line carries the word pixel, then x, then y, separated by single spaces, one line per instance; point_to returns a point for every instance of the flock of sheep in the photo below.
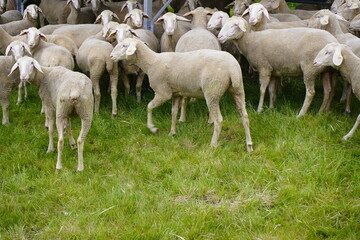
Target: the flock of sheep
pixel 276 41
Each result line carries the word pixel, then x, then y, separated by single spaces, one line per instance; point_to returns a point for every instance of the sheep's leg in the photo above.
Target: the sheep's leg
pixel 264 81
pixel 71 137
pixel 60 128
pixel 26 90
pixel 19 100
pixel 241 107
pixel 95 81
pixel 125 78
pixel 334 76
pixel 349 135
pixel 348 98
pixel 215 114
pixel 174 112
pixel 344 92
pixel 310 92
pixel 51 122
pixel 157 101
pixel 139 83
pixel 326 80
pixel 272 91
pixel 114 91
pixel 85 127
pixel 183 109
pixel 5 103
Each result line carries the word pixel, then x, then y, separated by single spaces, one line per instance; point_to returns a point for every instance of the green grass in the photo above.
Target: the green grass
pixel 301 181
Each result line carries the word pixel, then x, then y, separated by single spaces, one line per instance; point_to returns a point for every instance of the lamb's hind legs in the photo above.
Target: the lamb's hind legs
pixel 157 101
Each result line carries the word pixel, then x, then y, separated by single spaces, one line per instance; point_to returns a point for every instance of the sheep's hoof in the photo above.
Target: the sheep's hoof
pixel 214 144
pixel 249 148
pixel 347 112
pixel 58 167
pixel 182 119
pixel 5 123
pixel 154 130
pixel 73 146
pixel 18 103
pixel 172 133
pixel 80 168
pixel 113 115
pixel 346 137
pixel 50 150
pixel 260 110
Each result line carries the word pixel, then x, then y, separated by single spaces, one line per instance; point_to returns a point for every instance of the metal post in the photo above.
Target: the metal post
pixel 148 11
pixel 20 6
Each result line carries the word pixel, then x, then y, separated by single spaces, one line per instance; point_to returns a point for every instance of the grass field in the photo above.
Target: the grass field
pixel 301 181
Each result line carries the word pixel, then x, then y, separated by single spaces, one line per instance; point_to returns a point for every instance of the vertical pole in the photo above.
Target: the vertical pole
pixel 20 6
pixel 148 11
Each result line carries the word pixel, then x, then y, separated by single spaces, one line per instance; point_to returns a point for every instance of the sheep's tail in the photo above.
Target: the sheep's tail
pixel 236 79
pixel 74 96
pixel 109 65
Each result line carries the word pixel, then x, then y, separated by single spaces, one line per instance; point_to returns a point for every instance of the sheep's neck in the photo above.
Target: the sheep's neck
pixel 145 57
pixel 261 25
pixel 199 21
pixel 283 8
pixel 349 69
pixel 242 42
pixel 333 26
pixel 39 77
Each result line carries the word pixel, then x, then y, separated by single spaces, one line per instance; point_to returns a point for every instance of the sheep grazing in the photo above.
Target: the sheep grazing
pixel 32 15
pixel 64 94
pixel 174 26
pixel 121 32
pixel 93 58
pixel 79 15
pixel 135 18
pixel 106 16
pixel 271 52
pixel 342 58
pixel 10 16
pixel 55 11
pixel 280 6
pixel 192 78
pixel 18 49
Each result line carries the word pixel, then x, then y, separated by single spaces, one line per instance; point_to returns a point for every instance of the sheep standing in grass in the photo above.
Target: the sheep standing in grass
pixel 342 58
pixel 173 74
pixel 64 94
pixel 272 53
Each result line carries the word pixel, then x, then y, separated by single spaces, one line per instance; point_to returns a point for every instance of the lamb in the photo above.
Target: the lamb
pixel 55 11
pixel 64 94
pixel 79 15
pixel 280 6
pixel 191 78
pixel 271 52
pixel 10 16
pixel 31 15
pixel 135 18
pixel 123 31
pixel 93 58
pixel 174 26
pixel 342 58
pixel 106 16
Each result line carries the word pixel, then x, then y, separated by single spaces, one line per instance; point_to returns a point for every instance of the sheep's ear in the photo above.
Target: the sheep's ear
pixel 266 13
pixel 324 20
pixel 188 14
pixel 139 5
pixel 275 4
pixel 24 32
pixel 43 37
pixel 133 33
pixel 337 57
pixel 115 16
pixel 124 6
pixel 242 25
pixel 16 66
pixel 25 14
pixel 127 16
pixel 110 34
pixel 131 49
pixel 179 18
pixel 230 5
pixel 68 2
pixel 160 19
pixel 8 49
pixel 37 66
pixel 146 16
pixel 246 12
pixel 27 49
pixel 98 19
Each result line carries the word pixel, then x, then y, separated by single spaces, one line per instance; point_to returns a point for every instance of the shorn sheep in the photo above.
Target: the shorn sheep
pixel 64 93
pixel 342 58
pixel 172 75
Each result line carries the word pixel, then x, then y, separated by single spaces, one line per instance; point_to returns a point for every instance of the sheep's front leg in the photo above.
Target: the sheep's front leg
pixel 5 103
pixel 310 92
pixel 273 85
pixel 349 135
pixel 125 79
pixel 215 115
pixel 174 112
pixel 97 95
pixel 184 101
pixel 19 100
pixel 264 82
pixel 157 101
pixel 114 91
pixel 60 127
pixel 326 80
pixel 139 83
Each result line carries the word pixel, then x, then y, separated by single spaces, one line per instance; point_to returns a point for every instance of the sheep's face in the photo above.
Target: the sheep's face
pixel 125 50
pixel 32 12
pixel 217 20
pixel 320 19
pixel 2 6
pixel 192 4
pixel 352 4
pixel 271 5
pixel 136 16
pixel 26 66
pixel 95 4
pixel 75 3
pixel 234 28
pixel 256 13
pixel 18 49
pixel 124 31
pixel 330 55
pixel 132 4
pixel 169 21
pixel 33 36
pixel 106 16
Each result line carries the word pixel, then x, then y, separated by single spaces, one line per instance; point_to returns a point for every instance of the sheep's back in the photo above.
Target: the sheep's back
pixel 197 39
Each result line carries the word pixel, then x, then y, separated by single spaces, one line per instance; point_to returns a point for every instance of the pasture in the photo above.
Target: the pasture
pixel 301 181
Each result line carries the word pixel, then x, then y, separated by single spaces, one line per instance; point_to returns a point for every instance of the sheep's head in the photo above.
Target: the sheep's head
pixel 352 4
pixel 131 4
pixel 124 50
pixel 108 29
pixel 217 20
pixel 192 4
pixel 239 6
pixel 330 55
pixel 271 5
pixel 169 21
pixel 256 13
pixel 75 3
pixel 32 12
pixel 320 19
pixel 233 28
pixel 17 49
pixel 27 67
pixel 106 16
pixel 121 32
pixel 136 16
pixel 95 4
pixel 2 6
pixel 33 36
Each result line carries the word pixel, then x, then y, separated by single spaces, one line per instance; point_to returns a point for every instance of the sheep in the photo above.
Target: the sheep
pixel 49 29
pixel 32 14
pixel 98 6
pixel 349 9
pixel 191 77
pixel 271 52
pixel 79 15
pixel 340 56
pixel 79 32
pixel 55 11
pixel 106 16
pixel 280 6
pixel 189 5
pixel 123 31
pixel 2 6
pixel 174 26
pixel 135 18
pixel 18 49
pixel 217 20
pixel 285 17
pixel 10 16
pixel 47 54
pixel 64 94
pixel 93 58
pixel 131 4
pixel 239 6
pixel 63 41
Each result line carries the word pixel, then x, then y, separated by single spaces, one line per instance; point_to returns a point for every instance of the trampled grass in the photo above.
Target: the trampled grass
pixel 301 182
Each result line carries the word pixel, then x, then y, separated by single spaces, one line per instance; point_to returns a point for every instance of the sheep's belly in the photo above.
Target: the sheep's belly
pixel 193 92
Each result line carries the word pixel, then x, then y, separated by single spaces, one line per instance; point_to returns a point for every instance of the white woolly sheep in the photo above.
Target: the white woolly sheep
pixel 10 16
pixel 342 58
pixel 106 16
pixel 135 18
pixel 64 94
pixel 78 14
pixel 55 11
pixel 191 78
